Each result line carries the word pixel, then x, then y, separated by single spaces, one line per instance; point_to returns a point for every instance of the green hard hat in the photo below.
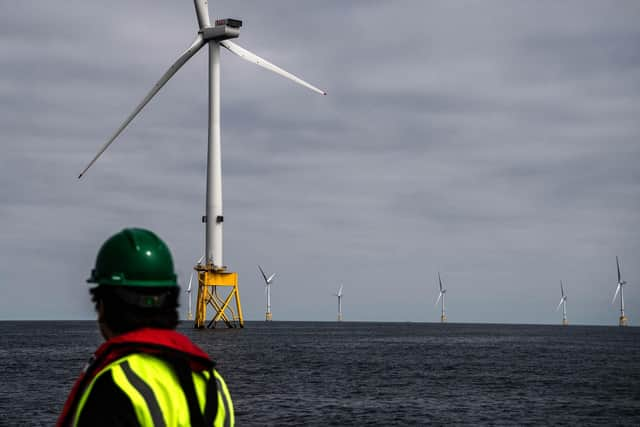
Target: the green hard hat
pixel 134 257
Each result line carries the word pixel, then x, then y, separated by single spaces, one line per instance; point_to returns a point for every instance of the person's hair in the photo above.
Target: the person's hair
pixel 121 314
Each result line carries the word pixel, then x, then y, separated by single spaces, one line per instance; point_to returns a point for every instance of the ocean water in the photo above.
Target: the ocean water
pixel 360 373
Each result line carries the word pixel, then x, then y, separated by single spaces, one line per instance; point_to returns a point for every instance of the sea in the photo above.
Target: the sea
pixel 364 373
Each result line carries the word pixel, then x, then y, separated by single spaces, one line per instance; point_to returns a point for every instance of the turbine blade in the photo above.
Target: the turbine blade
pixel 558 308
pixel 190 280
pixel 251 57
pixel 270 279
pixel 340 291
pixel 191 276
pixel 263 275
pixel 202 13
pixel 440 281
pixel 616 294
pixel 618 264
pixel 561 288
pixel 192 50
pixel 438 300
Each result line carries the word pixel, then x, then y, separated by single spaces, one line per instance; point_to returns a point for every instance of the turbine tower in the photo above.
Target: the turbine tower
pixel 443 317
pixel 267 289
pixel 339 295
pixel 212 273
pixel 563 303
pixel 623 321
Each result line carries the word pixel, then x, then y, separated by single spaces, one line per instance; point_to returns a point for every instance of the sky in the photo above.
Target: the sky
pixel 494 142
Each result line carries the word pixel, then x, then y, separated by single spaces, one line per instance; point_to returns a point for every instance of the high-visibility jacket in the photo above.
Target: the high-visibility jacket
pixel 149 377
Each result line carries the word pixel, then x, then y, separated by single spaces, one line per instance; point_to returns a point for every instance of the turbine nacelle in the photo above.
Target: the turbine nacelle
pixel 221 31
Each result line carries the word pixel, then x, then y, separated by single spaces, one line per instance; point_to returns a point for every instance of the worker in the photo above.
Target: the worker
pixel 146 373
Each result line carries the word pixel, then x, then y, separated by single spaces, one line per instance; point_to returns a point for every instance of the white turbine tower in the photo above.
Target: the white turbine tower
pixel 339 295
pixel 443 317
pixel 623 321
pixel 267 289
pixel 213 272
pixel 563 303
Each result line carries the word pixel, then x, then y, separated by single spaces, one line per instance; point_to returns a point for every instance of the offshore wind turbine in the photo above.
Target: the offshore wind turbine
pixel 267 289
pixel 563 303
pixel 443 317
pixel 212 274
pixel 623 321
pixel 339 295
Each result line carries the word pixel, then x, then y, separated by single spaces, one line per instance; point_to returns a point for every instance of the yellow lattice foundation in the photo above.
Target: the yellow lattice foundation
pixel 217 288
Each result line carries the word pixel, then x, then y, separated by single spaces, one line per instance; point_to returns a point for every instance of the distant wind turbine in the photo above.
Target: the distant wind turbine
pixel 563 303
pixel 339 295
pixel 443 317
pixel 623 321
pixel 267 289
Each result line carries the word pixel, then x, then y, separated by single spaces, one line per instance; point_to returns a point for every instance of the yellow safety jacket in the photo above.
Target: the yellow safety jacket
pixel 150 380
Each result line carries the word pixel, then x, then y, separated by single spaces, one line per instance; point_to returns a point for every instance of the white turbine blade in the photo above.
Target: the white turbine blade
pixel 202 12
pixel 440 281
pixel 616 294
pixel 340 291
pixel 558 308
pixel 438 300
pixel 251 57
pixel 190 280
pixel 193 49
pixel 263 275
pixel 561 288
pixel 191 276
pixel 271 278
pixel 618 265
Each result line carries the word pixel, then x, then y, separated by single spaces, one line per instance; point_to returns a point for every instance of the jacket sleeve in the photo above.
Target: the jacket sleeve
pixel 107 405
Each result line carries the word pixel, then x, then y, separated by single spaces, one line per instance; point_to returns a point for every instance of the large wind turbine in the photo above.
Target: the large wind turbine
pixel 339 295
pixel 267 289
pixel 213 272
pixel 563 303
pixel 443 317
pixel 623 319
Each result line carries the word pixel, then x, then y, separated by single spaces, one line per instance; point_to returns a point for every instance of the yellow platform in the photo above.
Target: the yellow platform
pixel 218 288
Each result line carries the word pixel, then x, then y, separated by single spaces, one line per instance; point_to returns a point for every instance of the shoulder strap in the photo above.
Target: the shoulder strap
pixel 184 374
pixel 211 406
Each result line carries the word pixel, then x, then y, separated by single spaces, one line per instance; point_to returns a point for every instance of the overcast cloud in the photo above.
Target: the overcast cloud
pixel 497 143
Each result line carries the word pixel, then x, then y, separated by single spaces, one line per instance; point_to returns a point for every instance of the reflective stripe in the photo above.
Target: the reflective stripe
pixel 146 392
